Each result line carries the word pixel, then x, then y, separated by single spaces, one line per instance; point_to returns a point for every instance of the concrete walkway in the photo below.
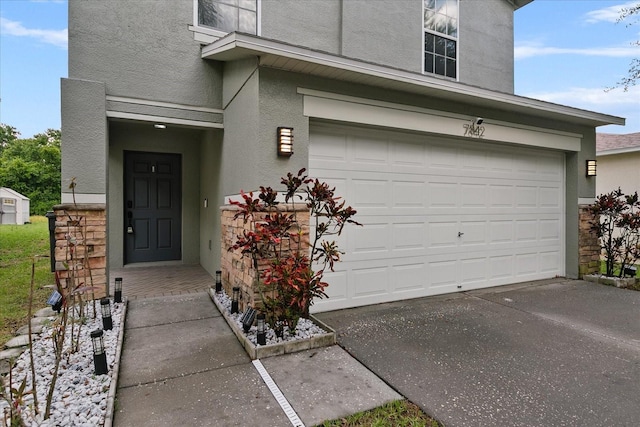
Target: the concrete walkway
pixel 182 365
pixel 553 353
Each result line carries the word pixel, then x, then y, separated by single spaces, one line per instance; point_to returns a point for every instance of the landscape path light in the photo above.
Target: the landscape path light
pixel 234 299
pixel 99 355
pixel 105 307
pixel 117 294
pixel 218 281
pixel 262 329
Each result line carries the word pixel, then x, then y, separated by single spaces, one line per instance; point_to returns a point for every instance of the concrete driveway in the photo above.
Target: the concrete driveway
pixel 550 353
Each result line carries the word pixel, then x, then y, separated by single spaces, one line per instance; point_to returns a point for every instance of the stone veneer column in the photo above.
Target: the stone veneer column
pixel 238 270
pixel 82 228
pixel 588 244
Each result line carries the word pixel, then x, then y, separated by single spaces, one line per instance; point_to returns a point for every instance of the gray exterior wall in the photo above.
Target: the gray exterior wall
pixel 142 49
pixel 84 136
pixel 210 189
pixel 390 32
pixel 135 137
pixel 485 44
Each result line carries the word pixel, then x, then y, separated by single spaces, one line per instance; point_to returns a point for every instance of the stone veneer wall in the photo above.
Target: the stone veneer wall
pixel 238 270
pixel 86 224
pixel 588 245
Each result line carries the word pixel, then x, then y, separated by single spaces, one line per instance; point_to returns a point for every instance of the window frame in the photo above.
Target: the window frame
pixel 215 33
pixel 456 39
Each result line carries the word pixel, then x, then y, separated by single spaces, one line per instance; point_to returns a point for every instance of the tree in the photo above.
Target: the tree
pixel 633 76
pixel 8 134
pixel 31 166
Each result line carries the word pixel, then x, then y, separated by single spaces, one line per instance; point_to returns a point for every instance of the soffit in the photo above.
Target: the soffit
pixel 278 55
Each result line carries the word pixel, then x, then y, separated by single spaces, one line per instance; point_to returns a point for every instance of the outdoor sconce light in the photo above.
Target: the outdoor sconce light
pixel 262 333
pixel 247 319
pixel 218 281
pixel 105 307
pixel 234 299
pixel 117 294
pixel 591 168
pixel 99 355
pixel 285 141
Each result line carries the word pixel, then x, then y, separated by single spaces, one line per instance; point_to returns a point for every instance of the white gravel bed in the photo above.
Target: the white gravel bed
pixel 305 328
pixel 80 396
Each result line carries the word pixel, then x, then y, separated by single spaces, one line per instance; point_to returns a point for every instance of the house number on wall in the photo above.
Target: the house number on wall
pixel 473 131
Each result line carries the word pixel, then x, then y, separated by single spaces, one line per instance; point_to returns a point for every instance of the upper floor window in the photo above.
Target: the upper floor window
pixel 441 37
pixel 228 15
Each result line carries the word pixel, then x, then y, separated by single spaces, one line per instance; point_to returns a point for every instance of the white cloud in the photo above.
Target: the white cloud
pixel 54 37
pixel 591 97
pixel 531 50
pixel 608 14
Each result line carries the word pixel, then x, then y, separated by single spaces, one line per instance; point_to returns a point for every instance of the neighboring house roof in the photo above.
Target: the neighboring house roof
pixel 285 56
pixel 609 143
pixel 13 193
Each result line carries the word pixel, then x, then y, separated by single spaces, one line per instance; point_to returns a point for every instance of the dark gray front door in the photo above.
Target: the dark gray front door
pixel 152 209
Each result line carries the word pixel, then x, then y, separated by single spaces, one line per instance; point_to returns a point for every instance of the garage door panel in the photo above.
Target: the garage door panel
pixel 408 157
pixel 370 239
pixel 414 195
pixel 370 152
pixel 408 277
pixel 369 281
pixel 409 236
pixel 369 193
pixel 408 194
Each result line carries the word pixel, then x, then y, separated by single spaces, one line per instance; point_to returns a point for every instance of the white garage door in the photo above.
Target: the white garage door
pixel 439 215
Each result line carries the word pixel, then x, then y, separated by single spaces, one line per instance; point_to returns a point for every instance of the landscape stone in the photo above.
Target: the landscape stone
pixel 19 341
pixel 45 312
pixel 24 330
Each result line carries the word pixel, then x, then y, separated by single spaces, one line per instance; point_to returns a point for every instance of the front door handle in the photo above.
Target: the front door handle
pixel 460 234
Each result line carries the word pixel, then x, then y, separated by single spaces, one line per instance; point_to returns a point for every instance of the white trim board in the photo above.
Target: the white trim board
pixel 172 105
pixel 84 198
pixel 159 119
pixel 341 108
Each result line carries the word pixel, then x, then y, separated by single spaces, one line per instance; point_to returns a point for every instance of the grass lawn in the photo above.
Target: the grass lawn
pixel 400 413
pixel 18 246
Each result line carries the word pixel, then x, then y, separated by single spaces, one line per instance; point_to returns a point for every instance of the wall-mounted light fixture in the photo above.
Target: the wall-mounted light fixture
pixel 160 126
pixel 591 168
pixel 285 141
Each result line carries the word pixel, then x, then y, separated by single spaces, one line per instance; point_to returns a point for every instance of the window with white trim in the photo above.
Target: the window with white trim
pixel 441 37
pixel 228 15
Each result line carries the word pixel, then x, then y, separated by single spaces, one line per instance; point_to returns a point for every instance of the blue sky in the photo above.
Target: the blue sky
pixel 567 52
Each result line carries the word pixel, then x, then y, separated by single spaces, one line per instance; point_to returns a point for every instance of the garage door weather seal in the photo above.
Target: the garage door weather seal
pixel 273 388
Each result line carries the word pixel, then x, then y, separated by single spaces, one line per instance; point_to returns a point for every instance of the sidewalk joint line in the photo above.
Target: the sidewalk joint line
pixel 273 388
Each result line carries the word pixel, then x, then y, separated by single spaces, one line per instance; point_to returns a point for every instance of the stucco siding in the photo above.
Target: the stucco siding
pixel 84 136
pixel 142 49
pixel 210 183
pixel 135 137
pixel 618 170
pixel 387 32
pixel 316 24
pixel 485 45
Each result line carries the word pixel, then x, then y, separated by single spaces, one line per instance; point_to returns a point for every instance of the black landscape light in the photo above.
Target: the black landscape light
pixel 234 299
pixel 105 307
pixel 117 294
pixel 262 329
pixel 247 319
pixel 55 301
pixel 99 355
pixel 218 281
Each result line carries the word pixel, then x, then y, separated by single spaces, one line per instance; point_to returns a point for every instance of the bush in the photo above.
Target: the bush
pixel 288 282
pixel 616 222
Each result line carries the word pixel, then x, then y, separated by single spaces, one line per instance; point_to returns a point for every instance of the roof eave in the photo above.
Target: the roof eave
pixel 237 46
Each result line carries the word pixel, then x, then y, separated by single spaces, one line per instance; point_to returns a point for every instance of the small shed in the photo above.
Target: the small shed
pixel 14 207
